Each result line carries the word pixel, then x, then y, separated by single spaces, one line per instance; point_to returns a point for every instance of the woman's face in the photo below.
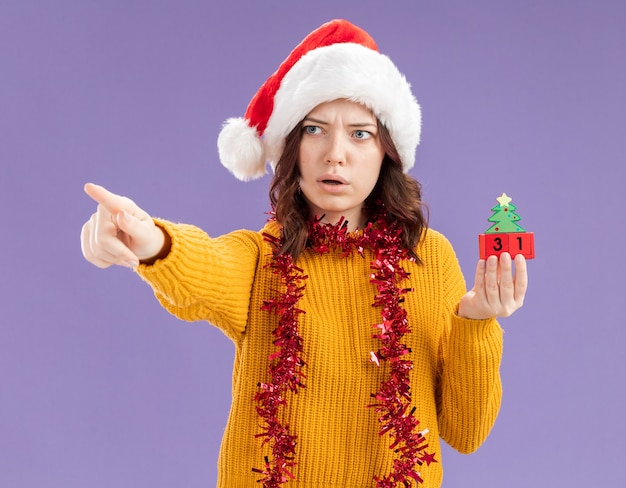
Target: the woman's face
pixel 339 161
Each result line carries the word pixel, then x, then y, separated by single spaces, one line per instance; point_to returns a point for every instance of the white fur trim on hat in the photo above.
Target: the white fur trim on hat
pixel 353 72
pixel 241 150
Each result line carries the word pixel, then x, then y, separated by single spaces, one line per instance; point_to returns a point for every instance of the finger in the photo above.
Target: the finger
pixel 507 286
pixel 103 223
pixel 521 279
pixel 105 243
pixel 118 257
pixel 97 245
pixel 110 201
pixel 479 278
pixel 131 225
pixel 100 263
pixel 492 289
pixel 108 250
pixel 87 248
pixel 113 251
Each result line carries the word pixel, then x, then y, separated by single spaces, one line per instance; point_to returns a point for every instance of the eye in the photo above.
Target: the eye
pixel 362 134
pixel 312 129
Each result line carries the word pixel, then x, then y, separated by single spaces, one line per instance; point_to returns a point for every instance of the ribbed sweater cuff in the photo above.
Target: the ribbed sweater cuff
pixel 167 275
pixel 471 330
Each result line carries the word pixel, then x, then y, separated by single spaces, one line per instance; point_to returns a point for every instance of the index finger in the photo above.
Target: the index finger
pixel 112 202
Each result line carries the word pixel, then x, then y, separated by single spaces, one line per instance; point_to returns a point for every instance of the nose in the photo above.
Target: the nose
pixel 336 151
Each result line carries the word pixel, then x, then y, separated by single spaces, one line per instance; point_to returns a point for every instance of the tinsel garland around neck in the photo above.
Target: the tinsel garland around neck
pixel 392 402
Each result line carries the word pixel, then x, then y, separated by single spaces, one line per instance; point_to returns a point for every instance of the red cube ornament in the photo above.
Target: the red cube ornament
pixel 506 235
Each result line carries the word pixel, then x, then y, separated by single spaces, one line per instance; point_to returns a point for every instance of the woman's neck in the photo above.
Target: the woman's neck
pixel 353 222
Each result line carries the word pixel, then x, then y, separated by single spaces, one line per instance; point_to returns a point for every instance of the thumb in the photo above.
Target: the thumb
pixel 144 238
pixel 129 224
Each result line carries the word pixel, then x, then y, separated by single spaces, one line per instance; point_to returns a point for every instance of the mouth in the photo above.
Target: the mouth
pixel 334 180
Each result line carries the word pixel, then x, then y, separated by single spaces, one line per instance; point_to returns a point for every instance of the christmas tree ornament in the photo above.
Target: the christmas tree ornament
pixel 506 235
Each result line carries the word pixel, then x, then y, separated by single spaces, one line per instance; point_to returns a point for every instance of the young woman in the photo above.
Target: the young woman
pixel 357 345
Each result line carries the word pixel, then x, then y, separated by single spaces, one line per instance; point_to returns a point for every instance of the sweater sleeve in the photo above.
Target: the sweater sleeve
pixel 204 278
pixel 471 350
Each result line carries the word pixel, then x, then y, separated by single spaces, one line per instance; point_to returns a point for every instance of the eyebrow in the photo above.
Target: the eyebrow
pixel 356 124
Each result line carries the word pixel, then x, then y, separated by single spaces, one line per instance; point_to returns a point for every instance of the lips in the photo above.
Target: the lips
pixel 332 180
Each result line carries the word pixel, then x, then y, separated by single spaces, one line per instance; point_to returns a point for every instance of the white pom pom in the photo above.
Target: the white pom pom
pixel 241 150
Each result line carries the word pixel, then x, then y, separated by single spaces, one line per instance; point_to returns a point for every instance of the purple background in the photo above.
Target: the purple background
pixel 100 387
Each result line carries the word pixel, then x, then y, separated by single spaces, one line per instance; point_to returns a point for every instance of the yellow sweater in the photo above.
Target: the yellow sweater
pixel 455 380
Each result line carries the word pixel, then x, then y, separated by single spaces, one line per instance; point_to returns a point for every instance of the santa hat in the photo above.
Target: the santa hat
pixel 337 60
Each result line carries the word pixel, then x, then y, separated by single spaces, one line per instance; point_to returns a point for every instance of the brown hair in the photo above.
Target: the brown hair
pixel 399 193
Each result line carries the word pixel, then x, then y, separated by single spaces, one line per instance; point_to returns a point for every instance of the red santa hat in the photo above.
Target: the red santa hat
pixel 337 60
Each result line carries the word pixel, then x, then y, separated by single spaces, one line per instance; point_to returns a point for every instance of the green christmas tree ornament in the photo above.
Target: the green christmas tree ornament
pixel 506 235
